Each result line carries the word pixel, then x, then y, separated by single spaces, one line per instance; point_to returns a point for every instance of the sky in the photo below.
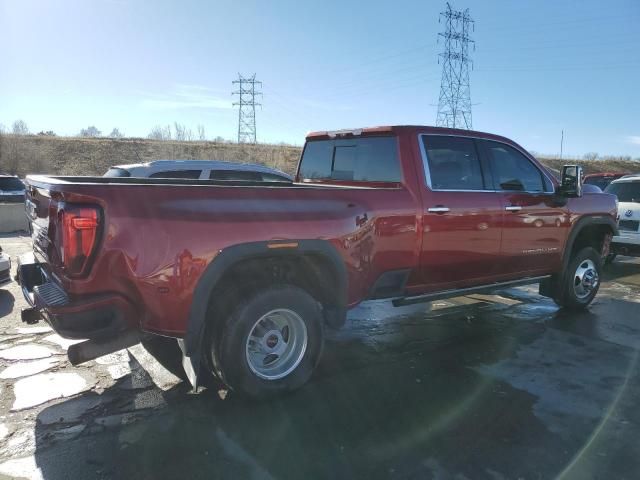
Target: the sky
pixel 538 67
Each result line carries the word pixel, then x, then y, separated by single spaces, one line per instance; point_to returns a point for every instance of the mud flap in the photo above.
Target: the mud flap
pixel 548 287
pixel 190 365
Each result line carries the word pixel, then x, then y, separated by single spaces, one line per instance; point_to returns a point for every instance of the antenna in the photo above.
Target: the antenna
pixel 247 107
pixel 454 104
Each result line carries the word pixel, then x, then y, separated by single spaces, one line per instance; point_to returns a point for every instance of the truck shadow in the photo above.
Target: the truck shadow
pixel 407 397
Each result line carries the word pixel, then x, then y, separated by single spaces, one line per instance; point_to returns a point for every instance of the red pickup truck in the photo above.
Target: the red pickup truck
pixel 247 275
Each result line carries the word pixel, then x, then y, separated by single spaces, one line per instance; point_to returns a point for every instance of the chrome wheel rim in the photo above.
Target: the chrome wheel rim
pixel 586 279
pixel 276 344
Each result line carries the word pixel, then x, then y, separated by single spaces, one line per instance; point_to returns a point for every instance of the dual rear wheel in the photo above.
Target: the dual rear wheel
pixel 270 343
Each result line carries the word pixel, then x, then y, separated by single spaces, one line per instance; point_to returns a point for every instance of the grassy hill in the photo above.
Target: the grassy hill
pixel 93 156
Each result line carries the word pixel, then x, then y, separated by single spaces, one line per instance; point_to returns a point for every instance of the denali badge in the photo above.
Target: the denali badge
pixel 628 213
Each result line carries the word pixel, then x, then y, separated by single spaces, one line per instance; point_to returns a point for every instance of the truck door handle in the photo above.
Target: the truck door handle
pixel 438 209
pixel 513 208
pixel 361 220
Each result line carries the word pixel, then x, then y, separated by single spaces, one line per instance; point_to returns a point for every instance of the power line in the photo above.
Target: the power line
pixel 247 107
pixel 454 104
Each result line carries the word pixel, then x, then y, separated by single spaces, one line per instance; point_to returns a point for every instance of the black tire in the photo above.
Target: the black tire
pixel 567 296
pixel 610 258
pixel 227 343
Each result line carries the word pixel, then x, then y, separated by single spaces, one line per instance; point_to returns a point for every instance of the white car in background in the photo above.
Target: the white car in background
pixel 5 268
pixel 627 189
pixel 200 169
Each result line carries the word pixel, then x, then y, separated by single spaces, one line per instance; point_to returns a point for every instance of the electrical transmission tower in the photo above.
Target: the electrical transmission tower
pixel 454 104
pixel 247 107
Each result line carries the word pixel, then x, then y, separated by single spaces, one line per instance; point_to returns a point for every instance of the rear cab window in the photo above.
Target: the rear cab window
pixel 364 159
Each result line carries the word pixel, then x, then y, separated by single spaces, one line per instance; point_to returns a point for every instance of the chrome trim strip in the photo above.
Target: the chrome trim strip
pixel 427 173
pixel 513 208
pixel 438 209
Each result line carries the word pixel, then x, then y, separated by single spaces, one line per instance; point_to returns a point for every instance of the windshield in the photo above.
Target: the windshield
pixel 11 183
pixel 625 191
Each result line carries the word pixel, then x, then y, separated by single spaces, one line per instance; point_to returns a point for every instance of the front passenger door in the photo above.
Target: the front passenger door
pixel 534 224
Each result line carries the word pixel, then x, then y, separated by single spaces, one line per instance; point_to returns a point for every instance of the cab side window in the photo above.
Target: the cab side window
pixel 452 163
pixel 191 174
pixel 513 171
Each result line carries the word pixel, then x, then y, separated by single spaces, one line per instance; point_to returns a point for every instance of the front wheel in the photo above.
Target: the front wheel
pixel 581 280
pixel 270 343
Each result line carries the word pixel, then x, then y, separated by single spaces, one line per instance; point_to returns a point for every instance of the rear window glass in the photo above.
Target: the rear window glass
pixel 117 172
pixel 11 183
pixel 373 159
pixel 625 191
pixel 178 174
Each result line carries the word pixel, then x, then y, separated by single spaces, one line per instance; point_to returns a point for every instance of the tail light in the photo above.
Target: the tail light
pixel 78 235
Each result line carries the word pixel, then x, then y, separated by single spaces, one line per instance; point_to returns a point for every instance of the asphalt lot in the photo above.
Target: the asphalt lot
pixel 481 387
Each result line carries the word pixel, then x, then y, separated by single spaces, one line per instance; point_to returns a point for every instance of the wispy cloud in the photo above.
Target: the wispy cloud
pixel 186 96
pixel 634 139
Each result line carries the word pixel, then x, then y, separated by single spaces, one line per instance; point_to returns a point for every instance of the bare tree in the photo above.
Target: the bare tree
pixel 20 128
pixel 591 156
pixel 90 132
pixel 179 132
pixel 115 133
pixel 160 133
pixel 201 135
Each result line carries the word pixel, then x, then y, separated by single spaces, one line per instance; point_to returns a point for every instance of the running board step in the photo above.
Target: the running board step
pixel 430 297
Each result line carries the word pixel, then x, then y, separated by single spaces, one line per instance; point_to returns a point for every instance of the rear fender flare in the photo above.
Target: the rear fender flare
pixel 230 256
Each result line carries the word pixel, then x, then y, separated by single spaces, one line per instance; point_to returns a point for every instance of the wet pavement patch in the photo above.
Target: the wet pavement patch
pixel 24 369
pixel 32 391
pixel 26 352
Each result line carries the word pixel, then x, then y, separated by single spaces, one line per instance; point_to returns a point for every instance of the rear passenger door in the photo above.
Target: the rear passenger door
pixel 534 223
pixel 462 215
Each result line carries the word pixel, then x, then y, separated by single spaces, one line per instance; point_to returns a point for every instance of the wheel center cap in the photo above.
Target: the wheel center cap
pixel 272 341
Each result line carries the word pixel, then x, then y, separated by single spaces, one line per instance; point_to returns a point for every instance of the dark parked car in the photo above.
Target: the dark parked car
pixel 11 189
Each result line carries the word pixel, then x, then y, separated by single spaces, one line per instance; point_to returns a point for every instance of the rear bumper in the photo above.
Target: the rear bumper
pixel 88 316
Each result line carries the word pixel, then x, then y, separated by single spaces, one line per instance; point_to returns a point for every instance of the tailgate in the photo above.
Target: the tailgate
pixel 38 204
